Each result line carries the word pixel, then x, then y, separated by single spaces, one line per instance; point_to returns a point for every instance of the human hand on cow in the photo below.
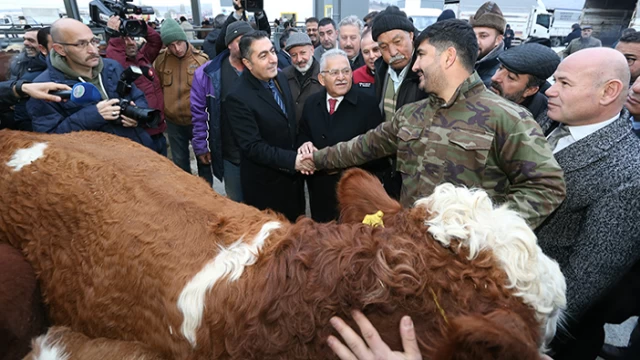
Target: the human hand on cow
pixel 307 148
pixel 205 158
pixel 41 91
pixel 109 109
pixel 374 348
pixel 304 164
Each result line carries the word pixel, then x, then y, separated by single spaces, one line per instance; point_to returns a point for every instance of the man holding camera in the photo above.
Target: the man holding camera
pixel 124 50
pixel 75 59
pixel 240 14
pixel 176 67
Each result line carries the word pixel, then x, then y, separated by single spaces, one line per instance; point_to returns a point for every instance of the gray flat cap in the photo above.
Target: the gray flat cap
pixel 533 59
pixel 297 39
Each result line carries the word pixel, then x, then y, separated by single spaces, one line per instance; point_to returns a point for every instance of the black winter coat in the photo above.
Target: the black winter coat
pixel 267 140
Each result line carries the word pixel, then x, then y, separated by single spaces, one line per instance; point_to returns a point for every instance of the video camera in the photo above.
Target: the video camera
pixel 102 10
pixel 150 117
pixel 252 5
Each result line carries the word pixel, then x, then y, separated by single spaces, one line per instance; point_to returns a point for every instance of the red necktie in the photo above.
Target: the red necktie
pixel 332 106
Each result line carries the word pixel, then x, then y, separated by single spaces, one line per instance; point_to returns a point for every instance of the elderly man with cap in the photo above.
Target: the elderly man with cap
pixel 302 75
pixel 585 41
pixel 213 142
pixel 522 71
pixel 175 66
pixel 488 24
pixel 395 83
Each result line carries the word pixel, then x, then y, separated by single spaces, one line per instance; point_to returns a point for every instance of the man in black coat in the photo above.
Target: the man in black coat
pixel 240 14
pixel 262 116
pixel 338 113
pixel 574 34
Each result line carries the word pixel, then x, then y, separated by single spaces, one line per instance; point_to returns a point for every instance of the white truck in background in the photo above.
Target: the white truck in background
pixel 527 18
pixel 561 22
pixel 422 13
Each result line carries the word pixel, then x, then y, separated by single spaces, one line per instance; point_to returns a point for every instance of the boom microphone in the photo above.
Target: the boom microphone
pixel 81 93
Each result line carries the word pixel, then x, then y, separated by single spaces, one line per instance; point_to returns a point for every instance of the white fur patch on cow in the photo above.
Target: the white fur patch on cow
pixel 229 262
pixel 24 157
pixel 48 350
pixel 469 216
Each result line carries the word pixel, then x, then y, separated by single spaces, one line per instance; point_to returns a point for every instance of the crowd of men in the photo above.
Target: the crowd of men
pixel 454 103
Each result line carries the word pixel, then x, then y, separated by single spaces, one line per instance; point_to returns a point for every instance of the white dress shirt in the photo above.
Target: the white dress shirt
pixel 398 78
pixel 579 132
pixel 337 103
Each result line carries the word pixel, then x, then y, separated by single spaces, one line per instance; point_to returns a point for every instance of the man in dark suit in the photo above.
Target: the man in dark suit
pixel 595 234
pixel 337 113
pixel 262 116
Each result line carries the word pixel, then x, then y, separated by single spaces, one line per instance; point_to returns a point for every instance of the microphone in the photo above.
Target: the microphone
pixel 81 93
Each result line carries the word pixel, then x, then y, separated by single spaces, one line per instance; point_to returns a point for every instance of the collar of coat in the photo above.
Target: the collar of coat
pixel 471 86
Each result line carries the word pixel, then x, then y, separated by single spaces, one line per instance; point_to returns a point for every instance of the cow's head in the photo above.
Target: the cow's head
pixel 457 216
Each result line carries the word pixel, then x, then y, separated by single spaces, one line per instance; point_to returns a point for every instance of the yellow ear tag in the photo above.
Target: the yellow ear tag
pixel 374 220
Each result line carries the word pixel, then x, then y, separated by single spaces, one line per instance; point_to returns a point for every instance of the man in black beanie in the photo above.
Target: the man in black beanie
pixel 396 85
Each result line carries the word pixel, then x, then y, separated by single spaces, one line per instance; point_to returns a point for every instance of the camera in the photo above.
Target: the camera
pixel 102 10
pixel 149 117
pixel 253 5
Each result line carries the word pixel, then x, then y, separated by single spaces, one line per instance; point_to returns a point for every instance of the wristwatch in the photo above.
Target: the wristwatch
pixel 18 88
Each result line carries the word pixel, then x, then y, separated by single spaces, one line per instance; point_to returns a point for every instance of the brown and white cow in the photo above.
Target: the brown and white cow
pixel 128 248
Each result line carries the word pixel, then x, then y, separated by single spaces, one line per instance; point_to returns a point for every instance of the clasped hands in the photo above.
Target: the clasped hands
pixel 304 159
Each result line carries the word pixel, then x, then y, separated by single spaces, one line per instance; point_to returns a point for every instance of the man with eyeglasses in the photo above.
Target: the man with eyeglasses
pixel 629 46
pixel 124 50
pixel 75 59
pixel 262 115
pixel 337 113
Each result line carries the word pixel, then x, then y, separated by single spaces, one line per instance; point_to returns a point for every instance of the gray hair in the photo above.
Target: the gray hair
pixel 351 20
pixel 329 54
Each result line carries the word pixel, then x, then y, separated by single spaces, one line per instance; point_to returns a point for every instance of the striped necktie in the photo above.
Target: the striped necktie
pixel 276 96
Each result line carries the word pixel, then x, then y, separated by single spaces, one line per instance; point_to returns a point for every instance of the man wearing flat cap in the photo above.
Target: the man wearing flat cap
pixel 302 75
pixel 489 25
pixel 583 42
pixel 522 71
pixel 213 141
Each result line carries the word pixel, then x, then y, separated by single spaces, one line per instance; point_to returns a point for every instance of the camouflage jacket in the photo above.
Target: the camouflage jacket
pixel 478 139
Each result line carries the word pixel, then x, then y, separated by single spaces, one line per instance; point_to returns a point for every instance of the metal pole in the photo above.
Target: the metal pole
pixel 195 12
pixel 71 6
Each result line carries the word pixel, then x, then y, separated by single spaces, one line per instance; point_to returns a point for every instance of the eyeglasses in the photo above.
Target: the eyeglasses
pixel 84 43
pixel 336 72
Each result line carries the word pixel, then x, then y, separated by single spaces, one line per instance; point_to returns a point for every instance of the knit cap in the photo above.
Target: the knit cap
pixel 391 18
pixel 171 31
pixel 489 15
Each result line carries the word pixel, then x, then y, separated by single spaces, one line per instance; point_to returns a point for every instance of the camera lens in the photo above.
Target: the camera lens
pixel 134 28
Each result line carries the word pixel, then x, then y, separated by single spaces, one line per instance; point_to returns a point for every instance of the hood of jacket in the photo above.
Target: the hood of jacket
pixel 60 63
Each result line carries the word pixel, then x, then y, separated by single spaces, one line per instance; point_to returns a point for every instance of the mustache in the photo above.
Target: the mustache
pixel 396 58
pixel 497 86
pixel 92 57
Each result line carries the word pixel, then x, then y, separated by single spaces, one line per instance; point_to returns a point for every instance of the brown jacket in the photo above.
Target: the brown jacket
pixel 176 75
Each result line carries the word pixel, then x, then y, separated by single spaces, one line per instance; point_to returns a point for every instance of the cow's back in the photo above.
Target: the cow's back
pixel 73 202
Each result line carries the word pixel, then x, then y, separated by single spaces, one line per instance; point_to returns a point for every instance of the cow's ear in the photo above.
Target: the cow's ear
pixel 361 194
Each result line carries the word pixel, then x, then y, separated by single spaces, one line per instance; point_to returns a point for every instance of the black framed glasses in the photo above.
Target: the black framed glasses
pixel 84 43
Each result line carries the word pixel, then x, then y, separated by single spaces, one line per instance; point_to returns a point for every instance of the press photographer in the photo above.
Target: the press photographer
pixel 241 7
pixel 75 59
pixel 124 50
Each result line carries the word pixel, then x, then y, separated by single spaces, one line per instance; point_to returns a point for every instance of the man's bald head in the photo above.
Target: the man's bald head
pixel 591 86
pixel 66 30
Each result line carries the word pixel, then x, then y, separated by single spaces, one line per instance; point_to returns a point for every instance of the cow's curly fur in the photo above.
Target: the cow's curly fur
pixel 115 232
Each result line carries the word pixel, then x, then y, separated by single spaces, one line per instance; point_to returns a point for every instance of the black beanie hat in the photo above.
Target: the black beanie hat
pixel 391 18
pixel 447 14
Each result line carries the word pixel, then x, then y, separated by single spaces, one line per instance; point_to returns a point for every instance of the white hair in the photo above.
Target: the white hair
pixel 470 217
pixel 351 20
pixel 329 54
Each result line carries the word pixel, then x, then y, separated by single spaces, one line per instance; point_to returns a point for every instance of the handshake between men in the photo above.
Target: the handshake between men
pixel 304 159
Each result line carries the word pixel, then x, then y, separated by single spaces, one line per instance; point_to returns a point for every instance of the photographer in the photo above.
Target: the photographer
pixel 240 14
pixel 124 50
pixel 75 59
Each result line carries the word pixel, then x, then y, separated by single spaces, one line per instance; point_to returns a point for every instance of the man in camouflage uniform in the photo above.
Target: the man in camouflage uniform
pixel 475 138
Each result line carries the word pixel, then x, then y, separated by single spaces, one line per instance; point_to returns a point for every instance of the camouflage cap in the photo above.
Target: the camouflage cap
pixel 489 15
